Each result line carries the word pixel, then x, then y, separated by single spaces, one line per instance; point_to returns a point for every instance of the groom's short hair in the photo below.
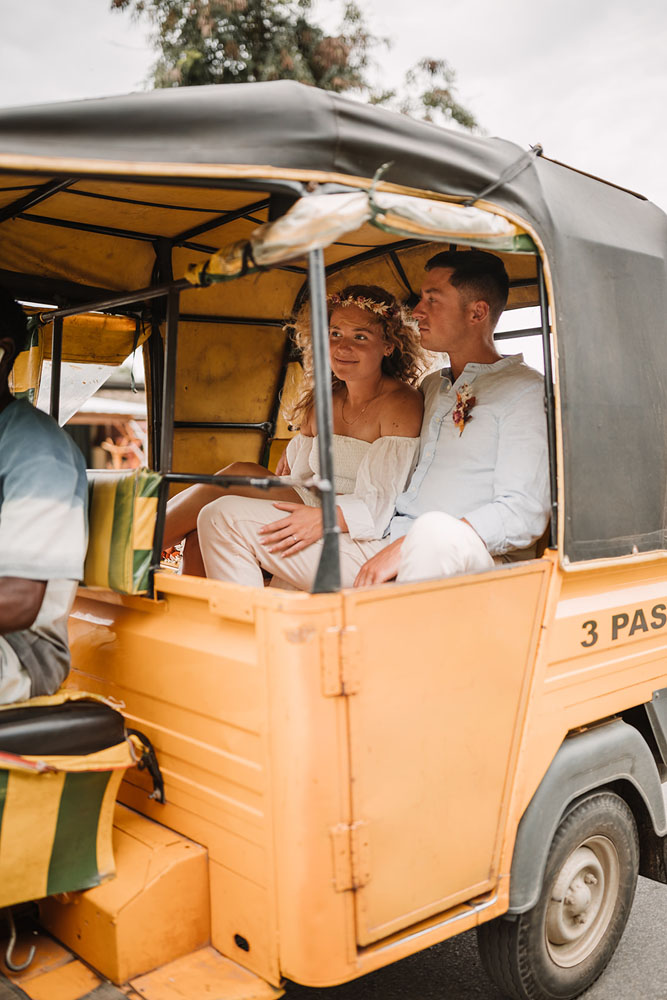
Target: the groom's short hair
pixel 477 275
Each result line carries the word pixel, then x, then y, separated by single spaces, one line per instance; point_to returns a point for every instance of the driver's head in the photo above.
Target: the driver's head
pixel 13 330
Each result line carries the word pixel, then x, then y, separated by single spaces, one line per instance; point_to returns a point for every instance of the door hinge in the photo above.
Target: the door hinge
pixel 340 661
pixel 351 856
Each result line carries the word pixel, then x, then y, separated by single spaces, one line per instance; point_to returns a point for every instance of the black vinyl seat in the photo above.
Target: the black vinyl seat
pixel 75 727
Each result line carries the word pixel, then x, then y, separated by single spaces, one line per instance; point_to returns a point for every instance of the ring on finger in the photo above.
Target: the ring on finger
pixel 294 538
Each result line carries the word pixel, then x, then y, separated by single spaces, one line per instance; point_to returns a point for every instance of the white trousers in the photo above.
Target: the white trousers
pixel 440 545
pixel 228 530
pixel 437 545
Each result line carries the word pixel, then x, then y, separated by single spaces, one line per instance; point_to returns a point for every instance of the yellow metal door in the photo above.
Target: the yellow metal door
pixel 440 673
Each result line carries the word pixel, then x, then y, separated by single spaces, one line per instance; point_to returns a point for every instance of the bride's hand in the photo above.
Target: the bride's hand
pixel 297 531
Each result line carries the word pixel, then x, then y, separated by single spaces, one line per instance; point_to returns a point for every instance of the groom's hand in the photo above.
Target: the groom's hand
pixel 381 567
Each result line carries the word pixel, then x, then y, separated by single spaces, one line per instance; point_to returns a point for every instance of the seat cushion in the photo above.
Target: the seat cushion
pixel 71 729
pixel 62 758
pixel 121 518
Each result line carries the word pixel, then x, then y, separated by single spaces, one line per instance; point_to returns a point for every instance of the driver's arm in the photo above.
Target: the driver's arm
pixel 20 601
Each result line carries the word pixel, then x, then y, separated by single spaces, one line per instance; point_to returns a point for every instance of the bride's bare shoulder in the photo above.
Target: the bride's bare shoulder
pixel 402 411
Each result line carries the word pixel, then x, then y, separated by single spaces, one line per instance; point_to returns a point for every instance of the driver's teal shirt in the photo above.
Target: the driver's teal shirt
pixel 43 531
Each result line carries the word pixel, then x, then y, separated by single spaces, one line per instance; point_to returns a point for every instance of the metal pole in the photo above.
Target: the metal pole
pixel 167 425
pixel 533 331
pixel 327 578
pixel 122 299
pixel 265 426
pixel 550 402
pixel 56 365
pixel 168 386
pixel 261 482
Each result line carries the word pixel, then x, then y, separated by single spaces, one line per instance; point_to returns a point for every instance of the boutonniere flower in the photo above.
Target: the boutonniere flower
pixel 464 404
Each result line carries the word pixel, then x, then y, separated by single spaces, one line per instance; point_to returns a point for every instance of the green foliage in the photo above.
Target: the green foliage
pixel 243 41
pixel 430 93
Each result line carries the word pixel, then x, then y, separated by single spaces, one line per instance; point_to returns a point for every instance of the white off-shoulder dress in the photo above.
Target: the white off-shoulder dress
pixel 367 477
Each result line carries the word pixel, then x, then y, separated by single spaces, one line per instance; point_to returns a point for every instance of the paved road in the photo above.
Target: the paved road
pixel 452 970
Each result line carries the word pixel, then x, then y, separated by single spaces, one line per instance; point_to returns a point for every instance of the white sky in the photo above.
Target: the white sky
pixel 586 78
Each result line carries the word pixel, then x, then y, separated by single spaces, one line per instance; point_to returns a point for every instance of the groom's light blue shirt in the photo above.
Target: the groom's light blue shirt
pixel 496 472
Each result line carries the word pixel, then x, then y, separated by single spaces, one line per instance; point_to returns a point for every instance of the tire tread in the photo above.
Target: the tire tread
pixel 505 945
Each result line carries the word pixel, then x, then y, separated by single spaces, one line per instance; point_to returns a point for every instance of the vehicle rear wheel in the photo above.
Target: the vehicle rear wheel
pixel 557 949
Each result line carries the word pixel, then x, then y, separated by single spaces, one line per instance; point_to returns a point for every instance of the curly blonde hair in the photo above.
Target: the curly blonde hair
pixel 406 363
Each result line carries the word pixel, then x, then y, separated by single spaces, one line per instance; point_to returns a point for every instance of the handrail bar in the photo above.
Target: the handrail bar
pixel 123 299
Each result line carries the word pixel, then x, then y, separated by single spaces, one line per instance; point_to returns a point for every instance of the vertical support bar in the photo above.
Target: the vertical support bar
pixel 163 496
pixel 327 578
pixel 168 386
pixel 275 409
pixel 167 425
pixel 163 374
pixel 56 365
pixel 156 365
pixel 550 401
pixel 163 273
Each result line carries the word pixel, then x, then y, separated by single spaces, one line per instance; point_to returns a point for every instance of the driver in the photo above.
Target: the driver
pixel 43 495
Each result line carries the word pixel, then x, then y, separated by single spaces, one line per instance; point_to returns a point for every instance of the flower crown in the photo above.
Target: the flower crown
pixel 383 309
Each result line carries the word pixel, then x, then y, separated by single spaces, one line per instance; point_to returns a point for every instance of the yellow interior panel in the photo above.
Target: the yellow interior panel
pixel 290 394
pixel 9 179
pixel 278 446
pixel 121 215
pixel 208 199
pixel 268 294
pixel 230 232
pixel 72 255
pixel 9 195
pixel 379 271
pixel 227 372
pixel 152 210
pixel 208 451
pixel 111 337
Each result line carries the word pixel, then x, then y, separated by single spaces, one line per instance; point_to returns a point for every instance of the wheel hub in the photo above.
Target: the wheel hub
pixel 582 901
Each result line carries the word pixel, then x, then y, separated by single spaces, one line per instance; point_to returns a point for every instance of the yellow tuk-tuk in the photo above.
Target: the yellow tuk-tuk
pixel 350 776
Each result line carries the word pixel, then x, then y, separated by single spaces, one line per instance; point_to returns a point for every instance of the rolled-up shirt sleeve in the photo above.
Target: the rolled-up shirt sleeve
pixel 518 514
pixel 382 475
pixel 297 454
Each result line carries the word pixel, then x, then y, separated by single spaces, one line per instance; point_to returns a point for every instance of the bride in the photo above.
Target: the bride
pixel 232 533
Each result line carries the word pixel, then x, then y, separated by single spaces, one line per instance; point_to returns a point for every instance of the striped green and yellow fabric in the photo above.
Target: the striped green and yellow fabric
pixel 56 818
pixel 26 373
pixel 121 520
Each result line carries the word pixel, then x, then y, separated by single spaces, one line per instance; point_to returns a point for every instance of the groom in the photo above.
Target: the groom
pixel 480 492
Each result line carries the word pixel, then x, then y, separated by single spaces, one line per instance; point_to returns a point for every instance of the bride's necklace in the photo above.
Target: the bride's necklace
pixel 361 411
